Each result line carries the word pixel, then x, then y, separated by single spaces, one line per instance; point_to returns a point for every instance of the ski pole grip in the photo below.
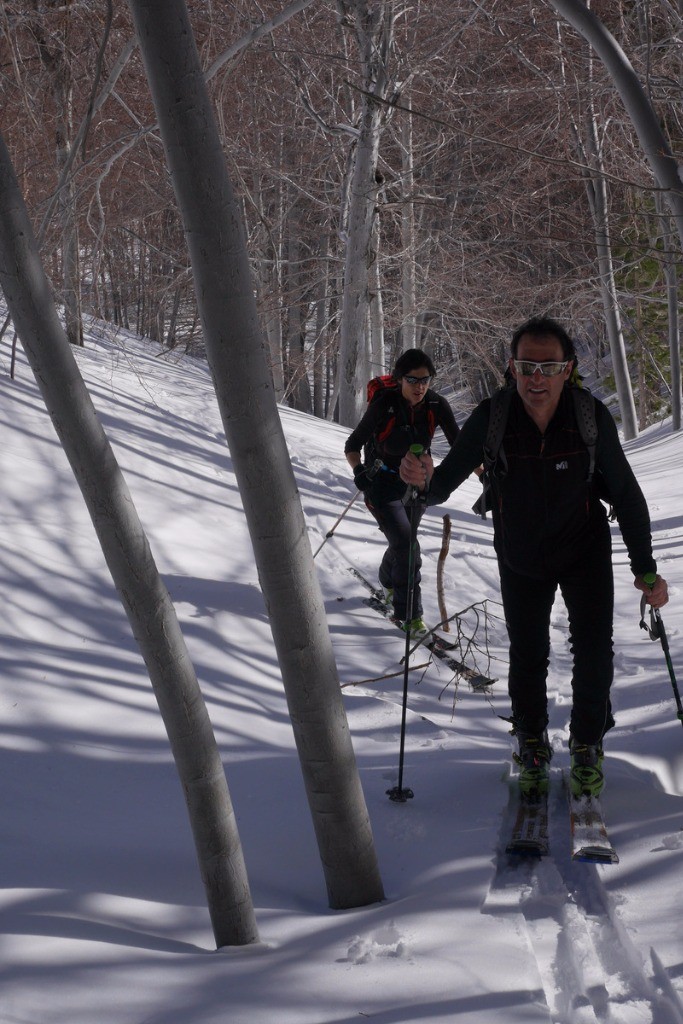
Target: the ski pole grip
pixel 650 578
pixel 412 492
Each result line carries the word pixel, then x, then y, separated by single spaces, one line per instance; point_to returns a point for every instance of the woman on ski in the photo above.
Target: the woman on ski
pixel 403 411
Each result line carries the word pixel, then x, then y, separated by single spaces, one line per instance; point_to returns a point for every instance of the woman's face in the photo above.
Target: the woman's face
pixel 414 385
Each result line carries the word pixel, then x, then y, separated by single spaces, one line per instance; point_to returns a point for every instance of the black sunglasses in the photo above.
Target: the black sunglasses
pixel 409 379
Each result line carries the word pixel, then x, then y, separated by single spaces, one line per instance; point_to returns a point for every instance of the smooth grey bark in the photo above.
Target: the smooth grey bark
pixel 299 385
pixel 667 171
pixel 408 282
pixel 322 310
pixel 57 61
pixel 236 353
pixel 128 555
pixel 257 33
pixel 592 170
pixel 597 200
pixel 671 276
pixel 375 328
pixel 374 26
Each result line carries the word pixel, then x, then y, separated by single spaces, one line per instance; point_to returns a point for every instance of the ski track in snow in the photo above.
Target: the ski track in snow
pixel 591 970
pixel 585 944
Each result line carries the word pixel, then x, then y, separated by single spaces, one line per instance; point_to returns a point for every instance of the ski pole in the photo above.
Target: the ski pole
pixel 374 469
pixel 657 632
pixel 398 793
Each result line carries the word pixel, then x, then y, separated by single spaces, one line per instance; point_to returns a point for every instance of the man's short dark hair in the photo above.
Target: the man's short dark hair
pixel 542 326
pixel 412 359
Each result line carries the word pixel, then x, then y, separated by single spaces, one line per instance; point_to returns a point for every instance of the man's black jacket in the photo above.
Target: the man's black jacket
pixel 546 514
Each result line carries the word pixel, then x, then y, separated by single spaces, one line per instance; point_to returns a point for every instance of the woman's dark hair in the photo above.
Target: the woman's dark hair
pixel 542 326
pixel 412 359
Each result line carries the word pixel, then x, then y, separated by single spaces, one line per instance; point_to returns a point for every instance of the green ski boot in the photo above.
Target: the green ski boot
pixel 586 777
pixel 533 760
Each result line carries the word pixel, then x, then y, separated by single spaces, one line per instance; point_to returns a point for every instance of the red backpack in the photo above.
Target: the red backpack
pixel 384 381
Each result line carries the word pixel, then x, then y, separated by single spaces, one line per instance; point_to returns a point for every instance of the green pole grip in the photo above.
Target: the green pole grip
pixel 650 578
pixel 416 449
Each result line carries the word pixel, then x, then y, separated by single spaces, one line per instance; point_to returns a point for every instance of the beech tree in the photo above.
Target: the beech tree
pixel 236 353
pixel 126 549
pixel 666 169
pixel 373 24
pixel 472 214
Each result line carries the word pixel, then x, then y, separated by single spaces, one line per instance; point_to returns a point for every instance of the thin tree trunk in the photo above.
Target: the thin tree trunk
pixel 408 292
pixel 671 272
pixel 666 169
pixel 299 386
pixel 597 194
pixel 128 555
pixel 322 310
pixel 55 56
pixel 590 154
pixel 235 350
pixel 374 29
pixel 674 318
pixel 375 331
pixel 354 363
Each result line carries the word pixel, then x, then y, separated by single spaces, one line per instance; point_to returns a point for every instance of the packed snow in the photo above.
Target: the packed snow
pixel 103 915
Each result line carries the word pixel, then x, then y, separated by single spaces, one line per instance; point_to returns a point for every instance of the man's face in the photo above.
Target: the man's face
pixel 540 394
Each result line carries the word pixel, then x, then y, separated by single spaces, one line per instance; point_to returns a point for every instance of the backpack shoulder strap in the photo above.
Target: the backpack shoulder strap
pixel 493 447
pixel 584 410
pixel 498 417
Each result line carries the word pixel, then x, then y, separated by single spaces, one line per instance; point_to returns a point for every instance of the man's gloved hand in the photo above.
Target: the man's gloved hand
pixel 361 478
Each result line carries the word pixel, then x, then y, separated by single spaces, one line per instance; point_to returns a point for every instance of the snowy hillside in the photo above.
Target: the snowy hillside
pixel 102 911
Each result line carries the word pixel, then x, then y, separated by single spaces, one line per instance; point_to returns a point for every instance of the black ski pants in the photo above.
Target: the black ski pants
pixel 394 519
pixel 588 592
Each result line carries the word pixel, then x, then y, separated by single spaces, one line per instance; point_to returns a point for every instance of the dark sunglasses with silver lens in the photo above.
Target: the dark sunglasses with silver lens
pixel 525 368
pixel 416 380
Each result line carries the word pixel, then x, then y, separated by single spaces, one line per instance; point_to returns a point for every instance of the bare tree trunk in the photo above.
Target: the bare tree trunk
pixel 128 555
pixel 597 196
pixel 409 294
pixel 674 317
pixel 322 311
pixel 298 385
pixel 664 166
pixel 375 332
pixel 593 173
pixel 374 30
pixel 234 343
pixel 54 54
pixel 670 269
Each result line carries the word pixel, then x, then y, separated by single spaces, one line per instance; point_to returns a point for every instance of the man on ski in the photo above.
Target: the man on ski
pixel 551 530
pixel 405 413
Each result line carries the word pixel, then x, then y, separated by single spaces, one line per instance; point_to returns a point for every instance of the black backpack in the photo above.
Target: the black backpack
pixel 584 410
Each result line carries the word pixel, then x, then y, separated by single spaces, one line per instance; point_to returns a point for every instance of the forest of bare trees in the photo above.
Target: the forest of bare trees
pixel 410 174
pixel 297 192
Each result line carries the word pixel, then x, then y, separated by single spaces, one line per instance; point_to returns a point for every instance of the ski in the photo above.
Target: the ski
pixel 433 641
pixel 529 834
pixel 527 827
pixel 590 840
pixel 431 638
